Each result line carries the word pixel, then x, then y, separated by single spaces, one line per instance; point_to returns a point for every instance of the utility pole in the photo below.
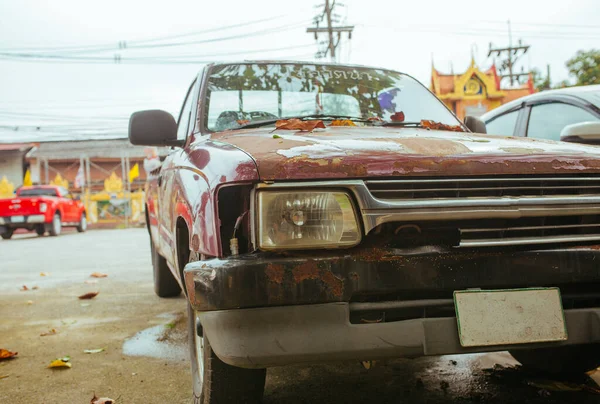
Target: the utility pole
pixel 513 53
pixel 330 17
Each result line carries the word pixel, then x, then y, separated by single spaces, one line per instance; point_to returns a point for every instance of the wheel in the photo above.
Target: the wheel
pixel 214 381
pixel 165 284
pixel 56 225
pixel 567 359
pixel 40 230
pixel 82 223
pixel 7 234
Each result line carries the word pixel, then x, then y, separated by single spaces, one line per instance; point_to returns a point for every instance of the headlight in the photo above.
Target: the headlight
pixel 298 220
pixel 43 207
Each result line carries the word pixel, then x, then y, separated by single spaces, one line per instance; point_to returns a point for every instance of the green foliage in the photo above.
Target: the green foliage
pixel 539 81
pixel 585 66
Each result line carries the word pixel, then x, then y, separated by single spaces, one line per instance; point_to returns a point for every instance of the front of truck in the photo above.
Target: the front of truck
pixel 381 227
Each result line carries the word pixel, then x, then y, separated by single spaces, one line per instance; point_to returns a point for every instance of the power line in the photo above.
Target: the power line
pixel 113 46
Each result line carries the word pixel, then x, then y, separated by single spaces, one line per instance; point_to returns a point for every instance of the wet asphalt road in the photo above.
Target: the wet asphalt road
pixel 145 356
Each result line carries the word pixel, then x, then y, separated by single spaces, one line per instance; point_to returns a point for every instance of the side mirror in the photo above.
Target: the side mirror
pixel 153 128
pixel 584 132
pixel 475 124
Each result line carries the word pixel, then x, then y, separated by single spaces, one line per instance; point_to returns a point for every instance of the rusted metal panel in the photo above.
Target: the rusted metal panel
pixel 257 280
pixel 358 152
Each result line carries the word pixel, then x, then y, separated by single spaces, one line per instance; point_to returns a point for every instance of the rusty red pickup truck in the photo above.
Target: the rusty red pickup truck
pixel 43 208
pixel 315 212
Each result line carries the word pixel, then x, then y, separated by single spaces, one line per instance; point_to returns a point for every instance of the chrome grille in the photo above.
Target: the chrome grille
pixel 515 211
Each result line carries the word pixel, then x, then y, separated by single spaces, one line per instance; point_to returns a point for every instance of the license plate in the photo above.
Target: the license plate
pixel 507 317
pixel 17 219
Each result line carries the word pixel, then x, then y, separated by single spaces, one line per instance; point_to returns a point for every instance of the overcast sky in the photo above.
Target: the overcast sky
pixel 398 34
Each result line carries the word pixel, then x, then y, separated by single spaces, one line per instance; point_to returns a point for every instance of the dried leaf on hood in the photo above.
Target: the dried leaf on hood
pixel 98 275
pixel 101 400
pixel 44 274
pixel 243 121
pixel 6 354
pixel 89 295
pixel 441 126
pixel 3 376
pixel 24 288
pixel 51 331
pixel 93 351
pixel 298 124
pixel 342 122
pixel 276 137
pixel 397 117
pixel 91 281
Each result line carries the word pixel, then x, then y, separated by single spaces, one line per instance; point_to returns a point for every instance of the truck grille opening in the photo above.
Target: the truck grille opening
pixel 582 230
pixel 423 188
pixel 518 211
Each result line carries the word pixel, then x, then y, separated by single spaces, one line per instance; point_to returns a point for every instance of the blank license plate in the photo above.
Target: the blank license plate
pixel 507 317
pixel 17 219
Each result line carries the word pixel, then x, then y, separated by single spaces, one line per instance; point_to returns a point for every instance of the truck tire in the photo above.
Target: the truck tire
pixel 82 226
pixel 8 233
pixel 214 381
pixel 56 226
pixel 566 359
pixel 165 284
pixel 40 230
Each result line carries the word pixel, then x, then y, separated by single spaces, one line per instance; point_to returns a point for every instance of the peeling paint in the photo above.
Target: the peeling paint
pixel 275 273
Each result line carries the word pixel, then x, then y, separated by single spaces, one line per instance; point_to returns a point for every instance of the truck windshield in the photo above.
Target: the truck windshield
pixel 241 93
pixel 38 192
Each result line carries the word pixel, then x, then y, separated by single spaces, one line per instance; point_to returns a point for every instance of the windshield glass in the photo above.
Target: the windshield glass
pixel 38 192
pixel 242 93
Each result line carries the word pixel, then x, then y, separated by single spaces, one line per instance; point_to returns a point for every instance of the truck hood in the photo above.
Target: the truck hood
pixel 358 152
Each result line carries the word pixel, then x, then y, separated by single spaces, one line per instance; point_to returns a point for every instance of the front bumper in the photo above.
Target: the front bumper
pixel 261 310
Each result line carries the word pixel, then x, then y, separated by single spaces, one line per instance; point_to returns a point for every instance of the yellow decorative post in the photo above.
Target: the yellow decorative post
pixel 7 189
pixel 59 181
pixel 113 184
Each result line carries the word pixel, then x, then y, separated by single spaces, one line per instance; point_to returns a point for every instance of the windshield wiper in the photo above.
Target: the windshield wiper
pixel 411 124
pixel 265 122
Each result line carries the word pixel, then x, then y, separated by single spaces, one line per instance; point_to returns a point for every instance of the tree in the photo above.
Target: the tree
pixel 585 66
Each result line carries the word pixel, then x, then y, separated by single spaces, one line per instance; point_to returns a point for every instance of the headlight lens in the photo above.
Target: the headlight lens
pixel 297 220
pixel 43 207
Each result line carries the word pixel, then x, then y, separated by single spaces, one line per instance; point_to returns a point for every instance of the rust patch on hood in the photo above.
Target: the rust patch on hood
pixel 275 273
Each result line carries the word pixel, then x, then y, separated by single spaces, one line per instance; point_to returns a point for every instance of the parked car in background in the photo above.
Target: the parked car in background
pixel 43 208
pixel 546 114
pixel 315 212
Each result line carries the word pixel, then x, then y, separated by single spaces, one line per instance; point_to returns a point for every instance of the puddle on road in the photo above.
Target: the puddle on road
pixel 164 341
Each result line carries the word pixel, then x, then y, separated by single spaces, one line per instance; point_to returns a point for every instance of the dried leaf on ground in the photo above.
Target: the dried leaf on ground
pixel 44 274
pixel 342 122
pixel 397 117
pixel 35 288
pixel 29 301
pixel 93 351
pixel 90 281
pixel 298 124
pixel 3 376
pixel 98 275
pixel 51 331
pixel 441 126
pixel 6 354
pixel 101 400
pixel 61 362
pixel 24 288
pixel 89 295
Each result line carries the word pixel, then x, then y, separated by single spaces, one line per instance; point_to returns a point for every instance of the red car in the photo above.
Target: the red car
pixel 43 208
